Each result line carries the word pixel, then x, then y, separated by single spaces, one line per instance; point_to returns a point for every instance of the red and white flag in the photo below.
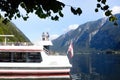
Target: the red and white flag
pixel 70 50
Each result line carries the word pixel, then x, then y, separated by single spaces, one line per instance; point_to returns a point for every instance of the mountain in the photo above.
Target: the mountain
pixel 11 29
pixel 93 36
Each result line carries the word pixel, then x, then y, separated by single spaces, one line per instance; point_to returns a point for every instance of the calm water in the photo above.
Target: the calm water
pixel 96 67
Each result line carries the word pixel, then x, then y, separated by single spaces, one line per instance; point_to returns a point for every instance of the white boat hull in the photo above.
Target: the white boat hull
pixel 33 70
pixel 46 67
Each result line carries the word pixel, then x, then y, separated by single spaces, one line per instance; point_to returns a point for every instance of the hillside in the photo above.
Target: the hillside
pixel 93 36
pixel 11 29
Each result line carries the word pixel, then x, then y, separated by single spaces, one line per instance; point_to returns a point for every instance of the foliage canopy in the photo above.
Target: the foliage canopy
pixel 45 8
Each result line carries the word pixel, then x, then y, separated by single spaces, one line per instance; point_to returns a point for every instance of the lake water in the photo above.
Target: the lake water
pixel 96 67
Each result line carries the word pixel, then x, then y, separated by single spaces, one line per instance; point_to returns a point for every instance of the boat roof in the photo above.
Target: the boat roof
pixel 43 43
pixel 21 48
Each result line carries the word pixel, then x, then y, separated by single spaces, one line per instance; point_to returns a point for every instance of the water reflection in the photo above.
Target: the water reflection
pixel 96 67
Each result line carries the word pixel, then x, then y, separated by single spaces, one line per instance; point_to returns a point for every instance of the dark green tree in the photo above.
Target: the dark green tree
pixel 45 8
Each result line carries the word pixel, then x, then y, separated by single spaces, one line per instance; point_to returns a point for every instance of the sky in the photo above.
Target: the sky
pixel 34 26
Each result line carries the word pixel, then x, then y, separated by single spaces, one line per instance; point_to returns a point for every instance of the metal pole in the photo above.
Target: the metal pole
pixel 5 40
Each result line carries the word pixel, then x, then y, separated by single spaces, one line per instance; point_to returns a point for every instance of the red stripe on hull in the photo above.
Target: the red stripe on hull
pixel 34 74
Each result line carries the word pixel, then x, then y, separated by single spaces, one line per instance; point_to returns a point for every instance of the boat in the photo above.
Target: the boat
pixel 26 60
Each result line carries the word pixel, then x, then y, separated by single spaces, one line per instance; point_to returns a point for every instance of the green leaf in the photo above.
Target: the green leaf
pixel 103 1
pixel 112 18
pixel 18 15
pixel 108 13
pixel 101 8
pixel 6 15
pixel 25 18
pixel 79 11
pixel 55 18
pixel 22 5
pixel 98 0
pixel 61 14
pixel 15 17
pixel 96 10
pixel 73 11
pixel 105 7
pixel 98 5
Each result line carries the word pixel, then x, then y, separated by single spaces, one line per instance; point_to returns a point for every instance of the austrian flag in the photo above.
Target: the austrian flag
pixel 70 50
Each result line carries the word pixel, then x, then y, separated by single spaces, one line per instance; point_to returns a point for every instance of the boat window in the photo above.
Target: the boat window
pixel 5 57
pixel 34 57
pixel 20 57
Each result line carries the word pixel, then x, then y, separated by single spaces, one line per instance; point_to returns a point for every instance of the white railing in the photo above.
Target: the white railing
pixel 15 44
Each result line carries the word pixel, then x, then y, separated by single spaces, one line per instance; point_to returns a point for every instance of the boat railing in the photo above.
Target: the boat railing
pixel 46 50
pixel 15 44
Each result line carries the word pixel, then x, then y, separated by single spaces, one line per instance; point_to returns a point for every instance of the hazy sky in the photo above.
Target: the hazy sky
pixel 34 26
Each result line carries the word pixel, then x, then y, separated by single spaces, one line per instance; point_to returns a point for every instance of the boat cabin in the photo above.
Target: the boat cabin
pixel 23 51
pixel 20 54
